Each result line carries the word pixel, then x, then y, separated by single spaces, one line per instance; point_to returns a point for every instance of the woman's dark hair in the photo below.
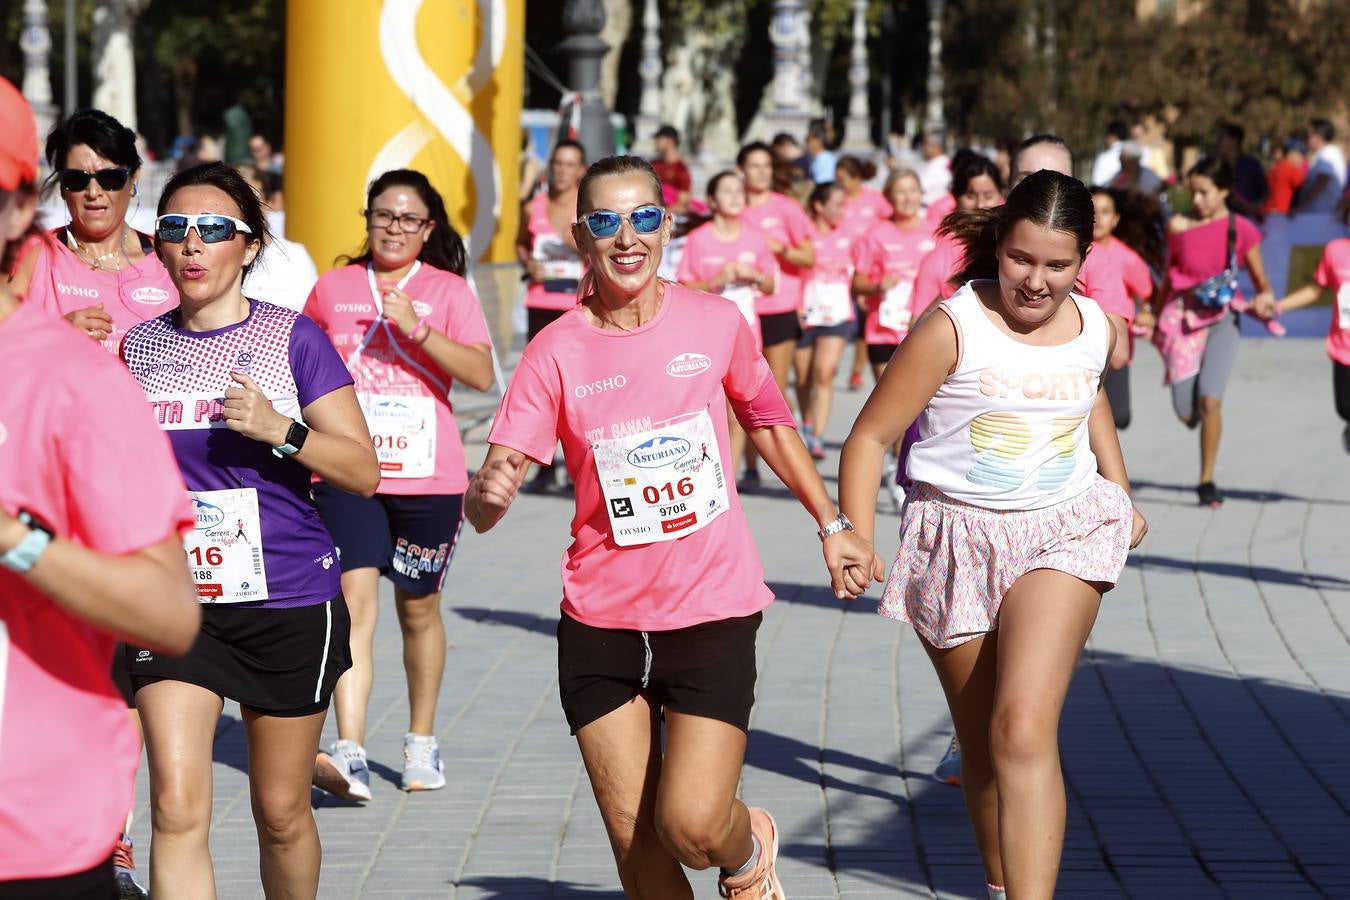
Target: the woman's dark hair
pixel 1046 199
pixel 972 167
pixel 1215 169
pixel 617 165
pixel 1141 224
pixel 716 180
pixel 227 180
pixel 99 131
pixel 566 143
pixel 863 169
pixel 10 254
pixel 744 153
pixel 820 195
pixel 444 248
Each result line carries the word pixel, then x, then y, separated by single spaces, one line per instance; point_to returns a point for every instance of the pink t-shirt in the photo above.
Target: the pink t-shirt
pixel 79 450
pixel 1138 278
pixel 1102 278
pixel 581 384
pixel 547 244
pixel 933 282
pixel 889 250
pixel 784 220
pixel 863 212
pixel 939 210
pixel 834 258
pixel 63 283
pixel 1334 272
pixel 706 255
pixel 394 376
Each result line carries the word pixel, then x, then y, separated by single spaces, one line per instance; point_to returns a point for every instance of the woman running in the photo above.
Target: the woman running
pixel 828 314
pixel 976 184
pixel 409 326
pixel 864 208
pixel 727 257
pixel 662 577
pixel 254 400
pixel 1126 220
pixel 1020 518
pixel 98 272
pixel 90 551
pixel 1195 316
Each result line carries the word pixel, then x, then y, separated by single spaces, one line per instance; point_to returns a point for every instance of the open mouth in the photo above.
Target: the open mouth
pixel 1033 302
pixel 628 263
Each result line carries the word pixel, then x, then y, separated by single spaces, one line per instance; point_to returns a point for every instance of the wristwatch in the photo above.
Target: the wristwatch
pixel 295 439
pixel 840 524
pixel 24 555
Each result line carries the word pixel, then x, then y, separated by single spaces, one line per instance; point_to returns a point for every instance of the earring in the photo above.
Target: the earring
pixel 133 190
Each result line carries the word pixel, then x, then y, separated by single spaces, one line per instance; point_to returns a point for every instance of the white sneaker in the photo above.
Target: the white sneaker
pixel 422 768
pixel 343 772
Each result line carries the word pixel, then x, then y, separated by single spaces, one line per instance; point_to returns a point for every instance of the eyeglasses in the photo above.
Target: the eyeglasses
pixel 211 228
pixel 605 223
pixel 75 180
pixel 383 218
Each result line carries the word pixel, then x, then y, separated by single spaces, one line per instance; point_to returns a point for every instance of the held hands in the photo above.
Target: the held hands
pixel 1138 529
pixel 852 563
pixel 93 321
pixel 1263 304
pixel 398 308
pixel 493 490
pixel 249 412
pixel 888 282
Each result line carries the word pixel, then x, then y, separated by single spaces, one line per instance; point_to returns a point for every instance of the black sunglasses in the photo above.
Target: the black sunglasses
pixel 75 180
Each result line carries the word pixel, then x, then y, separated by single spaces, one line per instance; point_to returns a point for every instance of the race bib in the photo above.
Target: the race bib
pixel 827 303
pixel 662 484
pixel 1343 306
pixel 743 295
pixel 894 312
pixel 561 265
pixel 403 430
pixel 224 550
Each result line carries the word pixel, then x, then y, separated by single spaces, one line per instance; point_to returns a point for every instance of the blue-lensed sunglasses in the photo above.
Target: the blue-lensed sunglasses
pixel 605 223
pixel 211 228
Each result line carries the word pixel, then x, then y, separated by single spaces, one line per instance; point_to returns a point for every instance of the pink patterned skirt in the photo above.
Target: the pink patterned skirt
pixel 956 561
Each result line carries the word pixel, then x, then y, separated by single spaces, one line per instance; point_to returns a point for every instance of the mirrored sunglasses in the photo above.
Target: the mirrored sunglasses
pixel 606 222
pixel 211 228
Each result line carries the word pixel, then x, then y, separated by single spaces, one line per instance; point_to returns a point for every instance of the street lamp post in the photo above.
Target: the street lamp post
pixel 787 111
pixel 36 43
pixel 858 125
pixel 650 68
pixel 584 50
pixel 934 119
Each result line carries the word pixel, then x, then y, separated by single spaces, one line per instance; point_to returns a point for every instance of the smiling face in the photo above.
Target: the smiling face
pixel 905 197
pixel 1106 217
pixel 1037 267
pixel 392 246
pixel 1207 197
pixel 95 214
pixel 625 262
pixel 202 272
pixel 981 193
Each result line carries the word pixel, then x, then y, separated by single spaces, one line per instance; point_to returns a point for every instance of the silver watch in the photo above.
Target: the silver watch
pixel 840 524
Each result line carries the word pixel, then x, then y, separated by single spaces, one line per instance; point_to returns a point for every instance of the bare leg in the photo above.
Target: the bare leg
pixel 361 588
pixel 779 357
pixel 180 729
pixel 697 814
pixel 801 373
pixel 1044 622
pixel 824 367
pixel 622 752
pixel 423 656
pixel 280 762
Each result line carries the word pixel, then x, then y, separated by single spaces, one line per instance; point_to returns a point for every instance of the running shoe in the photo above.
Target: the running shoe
pixel 422 768
pixel 749 482
pixel 816 445
pixel 997 892
pixel 1209 495
pixel 855 381
pixel 948 769
pixel 1345 439
pixel 343 772
pixel 897 496
pixel 124 871
pixel 761 882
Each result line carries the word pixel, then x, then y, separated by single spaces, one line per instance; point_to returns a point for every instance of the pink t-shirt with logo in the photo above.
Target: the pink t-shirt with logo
pixel 79 450
pixel 933 281
pixel 547 244
pixel 890 250
pixel 63 283
pixel 938 210
pixel 581 384
pixel 863 212
pixel 1334 272
pixel 706 255
pixel 834 258
pixel 390 365
pixel 784 220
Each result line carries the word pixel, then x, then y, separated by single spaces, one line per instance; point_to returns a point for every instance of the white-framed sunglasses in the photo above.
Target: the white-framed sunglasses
pixel 212 228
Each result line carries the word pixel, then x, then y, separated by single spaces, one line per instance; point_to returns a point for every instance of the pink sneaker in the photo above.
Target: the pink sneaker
pixel 761 883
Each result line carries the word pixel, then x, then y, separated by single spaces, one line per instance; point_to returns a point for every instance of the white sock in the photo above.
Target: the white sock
pixel 997 891
pixel 749 865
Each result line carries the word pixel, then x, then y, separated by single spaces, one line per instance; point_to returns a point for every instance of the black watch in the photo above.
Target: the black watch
pixel 295 439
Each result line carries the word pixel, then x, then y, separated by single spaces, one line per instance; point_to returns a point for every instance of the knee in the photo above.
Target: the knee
pixel 633 839
pixel 694 837
pixel 1023 734
pixel 1210 406
pixel 282 818
pixel 420 615
pixel 180 809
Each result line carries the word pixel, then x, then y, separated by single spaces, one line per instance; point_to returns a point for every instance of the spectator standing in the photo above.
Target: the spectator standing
pixel 1287 175
pixel 1107 164
pixel 935 173
pixel 1326 171
pixel 670 168
pixel 822 160
pixel 1133 174
pixel 1250 190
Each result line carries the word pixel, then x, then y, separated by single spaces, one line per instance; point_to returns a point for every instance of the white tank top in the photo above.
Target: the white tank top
pixel 1009 428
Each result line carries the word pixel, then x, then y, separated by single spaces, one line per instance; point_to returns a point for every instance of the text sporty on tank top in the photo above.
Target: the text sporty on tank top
pixel 63 283
pixel 1009 428
pixel 258 536
pixel 562 266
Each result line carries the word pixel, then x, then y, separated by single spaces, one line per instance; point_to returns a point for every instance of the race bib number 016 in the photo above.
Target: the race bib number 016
pixel 662 484
pixel 224 550
pixel 403 431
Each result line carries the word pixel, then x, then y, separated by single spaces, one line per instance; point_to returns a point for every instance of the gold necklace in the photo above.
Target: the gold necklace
pixel 96 260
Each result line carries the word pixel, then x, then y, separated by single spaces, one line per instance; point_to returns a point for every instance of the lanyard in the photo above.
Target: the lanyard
pixel 383 323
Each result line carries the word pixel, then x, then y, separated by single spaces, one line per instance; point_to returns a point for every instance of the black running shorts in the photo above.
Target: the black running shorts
pixel 411 539
pixel 778 328
pixel 705 670
pixel 91 884
pixel 281 662
pixel 880 354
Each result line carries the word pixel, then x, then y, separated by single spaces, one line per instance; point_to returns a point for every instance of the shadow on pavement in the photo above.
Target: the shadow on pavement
pixel 820 595
pixel 1241 570
pixel 1260 496
pixel 526 621
pixel 504 886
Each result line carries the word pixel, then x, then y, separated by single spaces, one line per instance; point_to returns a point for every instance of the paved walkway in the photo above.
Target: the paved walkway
pixel 1206 737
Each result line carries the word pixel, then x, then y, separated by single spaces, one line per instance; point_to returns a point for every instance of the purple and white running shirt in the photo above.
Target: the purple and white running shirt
pixel 258 538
